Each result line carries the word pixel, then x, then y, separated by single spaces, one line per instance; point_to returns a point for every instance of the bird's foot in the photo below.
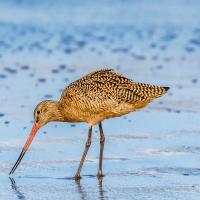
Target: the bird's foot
pixel 100 175
pixel 77 177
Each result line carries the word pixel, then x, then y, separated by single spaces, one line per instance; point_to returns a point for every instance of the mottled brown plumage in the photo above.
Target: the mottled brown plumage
pixel 104 94
pixel 93 98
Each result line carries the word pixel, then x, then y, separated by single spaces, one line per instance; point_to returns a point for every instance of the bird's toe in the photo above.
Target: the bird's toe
pixel 77 177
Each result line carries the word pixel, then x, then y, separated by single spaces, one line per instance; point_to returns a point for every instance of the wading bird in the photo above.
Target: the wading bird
pixel 95 97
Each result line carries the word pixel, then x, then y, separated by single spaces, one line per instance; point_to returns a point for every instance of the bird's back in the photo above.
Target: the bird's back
pixel 104 93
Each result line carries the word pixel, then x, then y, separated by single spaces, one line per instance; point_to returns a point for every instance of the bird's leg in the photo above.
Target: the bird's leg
pixel 87 146
pixel 102 140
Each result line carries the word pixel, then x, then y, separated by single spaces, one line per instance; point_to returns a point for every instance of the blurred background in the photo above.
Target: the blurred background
pixel 150 154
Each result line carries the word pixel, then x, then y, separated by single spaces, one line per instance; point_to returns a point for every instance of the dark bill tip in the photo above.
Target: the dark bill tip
pixel 17 163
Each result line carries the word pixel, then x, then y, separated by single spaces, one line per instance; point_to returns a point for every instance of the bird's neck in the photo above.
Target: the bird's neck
pixel 55 112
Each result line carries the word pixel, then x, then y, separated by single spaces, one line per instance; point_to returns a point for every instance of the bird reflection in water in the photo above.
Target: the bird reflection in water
pixel 16 190
pixel 83 193
pixel 81 190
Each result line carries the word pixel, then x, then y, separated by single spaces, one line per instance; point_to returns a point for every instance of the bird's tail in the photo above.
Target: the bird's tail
pixel 159 91
pixel 151 91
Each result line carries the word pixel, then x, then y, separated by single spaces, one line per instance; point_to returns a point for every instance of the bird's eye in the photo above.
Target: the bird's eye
pixel 38 112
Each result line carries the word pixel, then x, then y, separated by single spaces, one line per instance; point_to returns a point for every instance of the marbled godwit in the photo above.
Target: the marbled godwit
pixel 95 97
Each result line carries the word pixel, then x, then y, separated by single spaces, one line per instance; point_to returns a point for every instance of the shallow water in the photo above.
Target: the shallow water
pixel 151 154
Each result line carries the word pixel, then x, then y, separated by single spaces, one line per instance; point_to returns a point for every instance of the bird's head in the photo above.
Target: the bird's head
pixel 45 112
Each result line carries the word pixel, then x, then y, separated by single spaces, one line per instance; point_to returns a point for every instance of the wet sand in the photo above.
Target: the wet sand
pixel 150 154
